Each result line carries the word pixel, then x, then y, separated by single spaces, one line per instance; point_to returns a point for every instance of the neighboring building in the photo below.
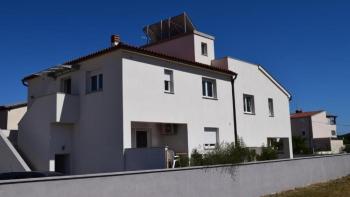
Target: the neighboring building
pixel 318 129
pixel 126 108
pixel 10 115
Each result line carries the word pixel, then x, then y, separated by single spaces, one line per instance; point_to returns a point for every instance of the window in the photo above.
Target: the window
pixel 66 85
pixel 168 81
pixel 248 101
pixel 333 132
pixel 209 88
pixel 271 111
pixel 94 82
pixel 332 120
pixel 211 137
pixel 204 49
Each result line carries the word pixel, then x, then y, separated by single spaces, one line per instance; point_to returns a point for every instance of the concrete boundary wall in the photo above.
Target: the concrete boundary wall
pixel 10 160
pixel 250 179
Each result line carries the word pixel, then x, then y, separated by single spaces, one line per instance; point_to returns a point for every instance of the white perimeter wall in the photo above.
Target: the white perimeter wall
pixel 144 99
pixel 255 129
pixel 244 180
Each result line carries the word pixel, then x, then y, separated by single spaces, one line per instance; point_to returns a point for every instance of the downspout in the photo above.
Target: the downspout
pixel 234 108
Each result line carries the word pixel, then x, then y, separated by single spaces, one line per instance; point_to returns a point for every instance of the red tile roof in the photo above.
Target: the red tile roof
pixel 142 51
pixel 304 114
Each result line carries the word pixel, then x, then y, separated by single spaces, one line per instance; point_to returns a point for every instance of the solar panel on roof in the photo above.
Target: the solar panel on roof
pixel 168 28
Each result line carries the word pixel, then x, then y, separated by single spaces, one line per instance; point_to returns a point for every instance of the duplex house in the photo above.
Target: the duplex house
pixel 318 129
pixel 127 108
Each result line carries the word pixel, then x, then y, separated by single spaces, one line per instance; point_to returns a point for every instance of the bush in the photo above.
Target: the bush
pixel 183 161
pixel 196 158
pixel 225 153
pixel 347 148
pixel 267 153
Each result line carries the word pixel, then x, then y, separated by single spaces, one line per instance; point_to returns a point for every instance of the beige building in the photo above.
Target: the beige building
pixel 319 130
pixel 10 115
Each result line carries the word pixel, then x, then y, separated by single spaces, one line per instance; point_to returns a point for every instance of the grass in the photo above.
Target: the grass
pixel 338 188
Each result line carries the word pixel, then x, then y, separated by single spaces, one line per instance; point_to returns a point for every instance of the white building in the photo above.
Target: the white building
pixel 318 129
pixel 125 107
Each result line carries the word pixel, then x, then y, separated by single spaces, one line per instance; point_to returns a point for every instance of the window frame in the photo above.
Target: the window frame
pixel 170 83
pixel 64 87
pixel 94 82
pixel 271 107
pixel 205 88
pixel 204 49
pixel 335 132
pixel 245 104
pixel 210 146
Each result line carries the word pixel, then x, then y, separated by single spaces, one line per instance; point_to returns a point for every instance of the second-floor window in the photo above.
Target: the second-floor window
pixel 271 110
pixel 333 132
pixel 209 88
pixel 248 102
pixel 332 120
pixel 204 49
pixel 95 82
pixel 168 81
pixel 66 85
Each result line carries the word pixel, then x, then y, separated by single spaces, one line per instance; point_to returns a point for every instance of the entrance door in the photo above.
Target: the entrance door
pixel 62 164
pixel 141 139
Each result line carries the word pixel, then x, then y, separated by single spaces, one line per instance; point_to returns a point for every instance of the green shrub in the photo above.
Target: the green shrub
pixel 225 153
pixel 183 161
pixel 196 158
pixel 347 148
pixel 267 153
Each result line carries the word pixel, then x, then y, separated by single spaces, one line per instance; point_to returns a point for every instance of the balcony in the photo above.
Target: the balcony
pixel 67 108
pixel 57 108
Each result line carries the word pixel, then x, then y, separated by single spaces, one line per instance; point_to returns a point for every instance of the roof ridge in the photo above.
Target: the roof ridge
pixel 122 45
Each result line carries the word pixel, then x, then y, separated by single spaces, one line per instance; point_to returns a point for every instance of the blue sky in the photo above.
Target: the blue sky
pixel 304 44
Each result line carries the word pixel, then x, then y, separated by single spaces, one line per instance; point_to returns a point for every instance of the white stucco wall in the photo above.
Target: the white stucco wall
pixel 187 47
pixel 321 127
pixel 93 136
pixel 171 47
pixel 198 39
pixel 144 99
pixel 255 129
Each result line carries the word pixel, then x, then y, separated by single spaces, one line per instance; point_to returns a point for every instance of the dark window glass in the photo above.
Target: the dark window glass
pixel 204 48
pixel 94 83
pixel 210 89
pixel 141 139
pixel 67 86
pixel 100 82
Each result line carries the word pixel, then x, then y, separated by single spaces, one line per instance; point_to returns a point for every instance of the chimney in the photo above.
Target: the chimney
pixel 115 39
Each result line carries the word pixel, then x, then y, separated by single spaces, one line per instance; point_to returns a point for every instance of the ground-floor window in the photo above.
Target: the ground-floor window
pixel 211 137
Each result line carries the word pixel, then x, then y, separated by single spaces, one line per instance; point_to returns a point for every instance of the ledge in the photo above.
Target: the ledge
pixel 73 177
